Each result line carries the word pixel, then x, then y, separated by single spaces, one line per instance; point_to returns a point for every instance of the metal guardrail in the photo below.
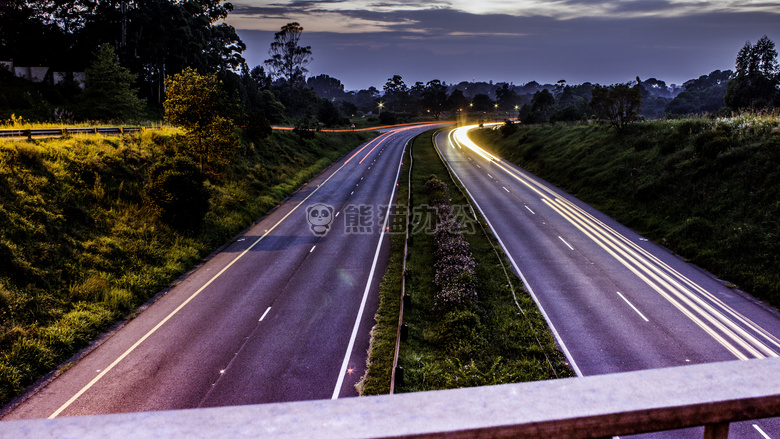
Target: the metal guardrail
pixel 51 132
pixel 712 395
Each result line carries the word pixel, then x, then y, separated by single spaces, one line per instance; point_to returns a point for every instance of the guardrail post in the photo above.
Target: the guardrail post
pixel 716 431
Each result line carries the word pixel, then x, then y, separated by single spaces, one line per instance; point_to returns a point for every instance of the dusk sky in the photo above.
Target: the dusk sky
pixel 365 42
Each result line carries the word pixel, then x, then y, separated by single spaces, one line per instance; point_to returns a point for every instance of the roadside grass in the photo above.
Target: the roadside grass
pixel 708 189
pixel 18 122
pixel 489 341
pixel 80 248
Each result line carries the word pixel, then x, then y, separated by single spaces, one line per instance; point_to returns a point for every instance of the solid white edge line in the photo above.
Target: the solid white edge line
pixel 183 304
pixel 264 314
pixel 761 432
pixel 565 350
pixel 355 328
pixel 632 306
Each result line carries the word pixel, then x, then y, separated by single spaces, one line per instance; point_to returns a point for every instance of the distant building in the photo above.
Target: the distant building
pixel 42 74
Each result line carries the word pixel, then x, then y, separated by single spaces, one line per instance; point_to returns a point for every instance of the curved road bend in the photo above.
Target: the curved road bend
pixel 282 314
pixel 616 301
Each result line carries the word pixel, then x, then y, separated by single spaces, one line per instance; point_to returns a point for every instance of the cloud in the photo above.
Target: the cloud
pixel 356 16
pixel 367 46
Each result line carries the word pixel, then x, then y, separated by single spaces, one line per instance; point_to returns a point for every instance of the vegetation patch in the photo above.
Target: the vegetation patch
pixel 464 327
pixel 706 188
pixel 93 226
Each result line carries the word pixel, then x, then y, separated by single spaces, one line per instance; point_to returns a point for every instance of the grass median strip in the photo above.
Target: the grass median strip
pixel 454 340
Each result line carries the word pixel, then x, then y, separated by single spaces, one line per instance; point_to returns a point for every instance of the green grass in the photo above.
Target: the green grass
pixel 80 248
pixel 708 189
pixel 489 341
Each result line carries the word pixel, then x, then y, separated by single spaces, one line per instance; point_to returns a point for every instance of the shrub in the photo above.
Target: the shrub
pixel 711 143
pixel 177 192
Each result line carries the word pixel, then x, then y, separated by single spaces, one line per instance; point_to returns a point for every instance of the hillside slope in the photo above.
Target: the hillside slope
pixel 81 247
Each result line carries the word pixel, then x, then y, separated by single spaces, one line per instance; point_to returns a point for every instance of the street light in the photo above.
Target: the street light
pixel 381 105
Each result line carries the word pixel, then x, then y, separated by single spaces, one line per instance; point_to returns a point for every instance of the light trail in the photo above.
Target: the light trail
pixel 724 324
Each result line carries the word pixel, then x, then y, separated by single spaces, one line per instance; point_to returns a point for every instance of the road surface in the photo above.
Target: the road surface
pixel 282 314
pixel 615 301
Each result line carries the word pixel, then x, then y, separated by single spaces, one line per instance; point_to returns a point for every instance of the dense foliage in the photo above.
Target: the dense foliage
pixel 702 95
pixel 198 104
pixel 154 37
pixel 108 93
pixel 757 78
pixel 617 104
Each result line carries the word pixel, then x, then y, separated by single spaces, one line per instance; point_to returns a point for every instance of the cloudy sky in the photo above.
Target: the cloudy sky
pixel 365 42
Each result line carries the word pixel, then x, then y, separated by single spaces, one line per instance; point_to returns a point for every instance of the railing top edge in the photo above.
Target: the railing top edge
pixel 594 406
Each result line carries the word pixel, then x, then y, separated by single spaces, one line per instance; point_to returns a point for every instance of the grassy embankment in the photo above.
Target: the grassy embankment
pixel 708 189
pixel 80 247
pixel 487 341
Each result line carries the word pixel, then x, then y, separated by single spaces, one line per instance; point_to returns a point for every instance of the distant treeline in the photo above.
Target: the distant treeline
pixel 155 39
pixel 752 86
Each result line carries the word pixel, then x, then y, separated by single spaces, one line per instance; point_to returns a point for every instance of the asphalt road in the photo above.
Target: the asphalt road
pixel 282 314
pixel 615 301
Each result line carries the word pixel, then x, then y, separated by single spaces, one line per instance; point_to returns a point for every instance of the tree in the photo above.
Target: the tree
pixel 756 79
pixel 366 100
pixel 289 59
pixel 165 36
pixel 701 95
pixel 482 102
pixel 434 98
pixel 506 98
pixel 538 111
pixel 258 75
pixel 617 104
pixel 458 101
pixel 396 94
pixel 197 103
pixel 326 87
pixel 108 94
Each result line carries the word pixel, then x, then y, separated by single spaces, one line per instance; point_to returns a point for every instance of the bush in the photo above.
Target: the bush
pixel 177 192
pixel 711 143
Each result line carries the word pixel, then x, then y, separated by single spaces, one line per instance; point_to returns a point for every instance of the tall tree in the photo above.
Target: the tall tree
pixel 506 98
pixel 108 93
pixel 197 103
pixel 482 102
pixel 165 36
pixel 288 58
pixel 617 104
pixel 434 98
pixel 396 94
pixel 756 79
